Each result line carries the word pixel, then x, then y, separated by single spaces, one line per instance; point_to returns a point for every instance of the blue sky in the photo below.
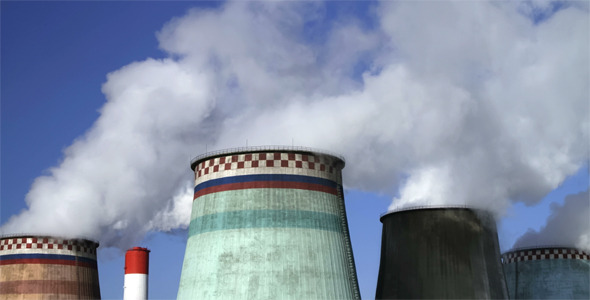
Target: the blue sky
pixel 55 57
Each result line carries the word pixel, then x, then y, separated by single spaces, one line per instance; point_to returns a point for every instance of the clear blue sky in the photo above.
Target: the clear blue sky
pixel 54 59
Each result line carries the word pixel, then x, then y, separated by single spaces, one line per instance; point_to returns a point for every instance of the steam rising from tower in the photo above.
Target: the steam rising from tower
pixel 473 120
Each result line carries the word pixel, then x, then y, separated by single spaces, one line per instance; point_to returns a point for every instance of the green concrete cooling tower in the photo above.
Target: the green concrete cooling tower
pixel 268 223
pixel 547 273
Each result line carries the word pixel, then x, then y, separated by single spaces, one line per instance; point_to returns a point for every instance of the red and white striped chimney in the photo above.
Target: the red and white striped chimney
pixel 136 274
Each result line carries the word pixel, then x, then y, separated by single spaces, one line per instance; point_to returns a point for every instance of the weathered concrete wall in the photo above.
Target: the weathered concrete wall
pixel 48 268
pixel 444 253
pixel 268 226
pixel 548 273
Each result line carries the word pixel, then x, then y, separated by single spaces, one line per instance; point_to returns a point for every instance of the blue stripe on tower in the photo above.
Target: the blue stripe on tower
pixel 45 256
pixel 266 177
pixel 276 181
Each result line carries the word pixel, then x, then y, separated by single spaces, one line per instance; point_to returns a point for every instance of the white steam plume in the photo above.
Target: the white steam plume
pixel 457 103
pixel 124 170
pixel 568 225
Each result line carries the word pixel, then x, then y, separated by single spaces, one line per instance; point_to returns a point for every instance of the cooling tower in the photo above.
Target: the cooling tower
pixel 136 274
pixel 42 267
pixel 268 223
pixel 446 252
pixel 547 273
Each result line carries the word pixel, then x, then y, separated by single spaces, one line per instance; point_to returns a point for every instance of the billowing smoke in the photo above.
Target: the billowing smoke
pixel 568 225
pixel 130 165
pixel 433 103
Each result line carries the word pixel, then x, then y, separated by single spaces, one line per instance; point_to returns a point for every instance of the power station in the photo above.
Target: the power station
pixel 268 223
pixel 547 273
pixel 445 253
pixel 43 267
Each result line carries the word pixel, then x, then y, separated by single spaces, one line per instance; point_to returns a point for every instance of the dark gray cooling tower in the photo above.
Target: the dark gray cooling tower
pixel 547 273
pixel 440 253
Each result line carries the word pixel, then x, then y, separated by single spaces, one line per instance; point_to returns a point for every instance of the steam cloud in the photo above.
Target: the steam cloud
pixel 567 225
pixel 481 104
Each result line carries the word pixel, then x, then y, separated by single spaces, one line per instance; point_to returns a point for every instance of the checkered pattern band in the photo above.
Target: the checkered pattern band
pixel 539 254
pixel 47 244
pixel 265 160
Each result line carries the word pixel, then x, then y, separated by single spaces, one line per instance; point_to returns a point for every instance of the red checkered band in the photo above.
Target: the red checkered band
pixel 539 254
pixel 47 243
pixel 268 159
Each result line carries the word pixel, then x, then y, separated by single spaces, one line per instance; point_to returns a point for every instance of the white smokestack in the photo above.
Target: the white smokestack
pixel 136 274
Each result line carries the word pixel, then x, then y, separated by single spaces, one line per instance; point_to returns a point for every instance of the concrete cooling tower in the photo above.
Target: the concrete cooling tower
pixel 547 273
pixel 42 267
pixel 444 253
pixel 268 223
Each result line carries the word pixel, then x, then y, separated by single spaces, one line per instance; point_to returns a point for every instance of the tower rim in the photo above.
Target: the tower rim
pixel 431 207
pixel 95 242
pixel 260 149
pixel 544 247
